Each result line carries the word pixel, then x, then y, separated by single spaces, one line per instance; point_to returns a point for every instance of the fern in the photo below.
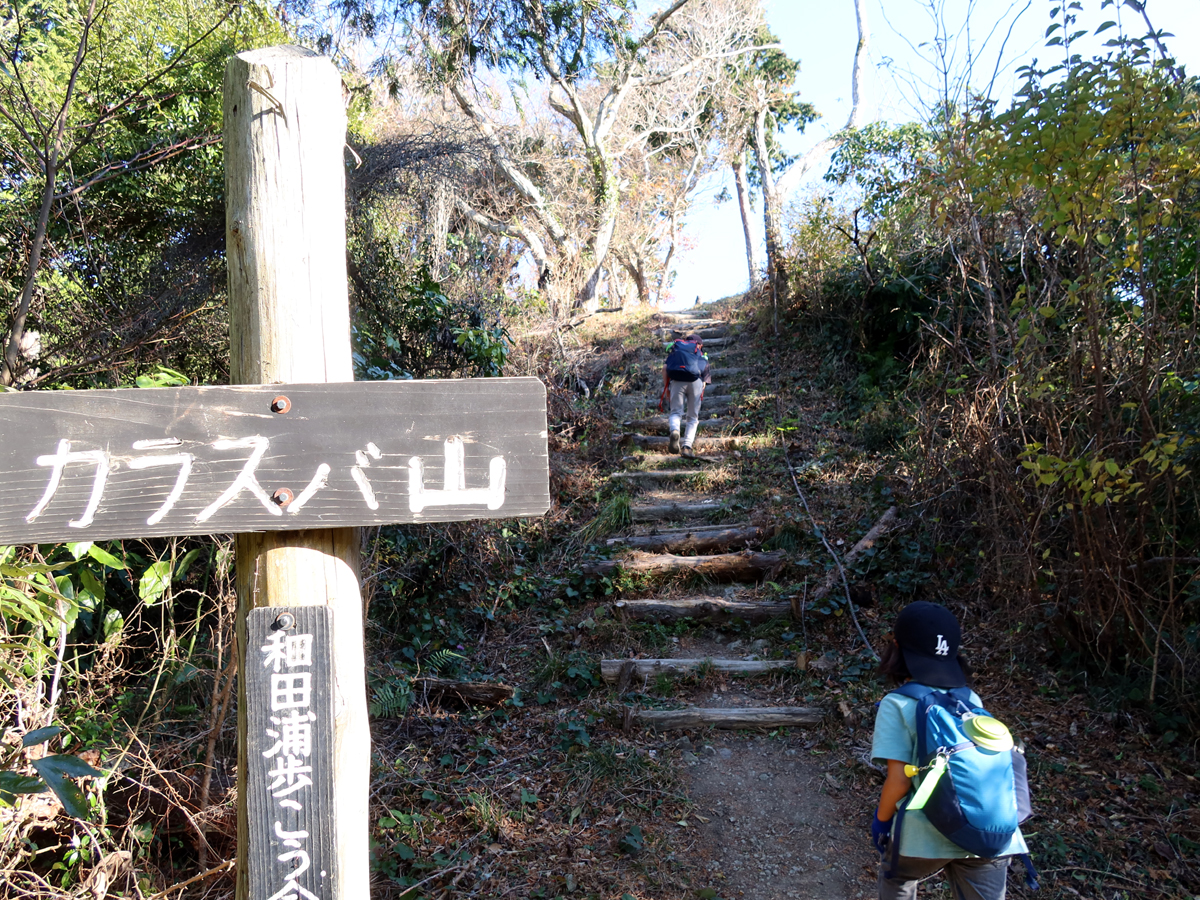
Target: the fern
pixel 440 659
pixel 390 699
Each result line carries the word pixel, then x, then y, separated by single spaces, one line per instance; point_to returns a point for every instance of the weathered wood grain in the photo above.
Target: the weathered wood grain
pixel 289 691
pixel 674 509
pixel 711 609
pixel 747 565
pixel 610 669
pixel 343 452
pixel 481 693
pixel 656 475
pixel 693 540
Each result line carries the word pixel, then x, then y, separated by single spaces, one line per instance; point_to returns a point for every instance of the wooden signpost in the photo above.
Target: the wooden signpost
pixel 292 459
pixel 93 465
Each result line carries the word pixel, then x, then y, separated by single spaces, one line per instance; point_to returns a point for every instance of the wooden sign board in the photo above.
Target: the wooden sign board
pixel 289 752
pixel 147 462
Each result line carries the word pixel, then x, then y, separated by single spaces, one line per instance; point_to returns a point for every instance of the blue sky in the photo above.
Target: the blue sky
pixel 822 36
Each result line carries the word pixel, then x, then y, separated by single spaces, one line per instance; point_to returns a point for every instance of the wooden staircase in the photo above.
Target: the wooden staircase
pixel 680 526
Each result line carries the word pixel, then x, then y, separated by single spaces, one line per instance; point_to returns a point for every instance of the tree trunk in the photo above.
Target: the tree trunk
pixel 50 156
pixel 479 693
pixel 743 196
pixel 608 202
pixel 886 523
pixel 638 274
pixel 802 166
pixel 772 215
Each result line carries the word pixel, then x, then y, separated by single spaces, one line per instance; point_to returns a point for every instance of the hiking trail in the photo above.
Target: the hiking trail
pixel 771 820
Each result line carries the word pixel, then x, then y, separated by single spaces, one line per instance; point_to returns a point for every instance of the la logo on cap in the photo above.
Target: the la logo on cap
pixel 943 649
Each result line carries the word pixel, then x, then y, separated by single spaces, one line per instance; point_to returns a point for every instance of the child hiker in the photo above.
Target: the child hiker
pixel 958 741
pixel 685 373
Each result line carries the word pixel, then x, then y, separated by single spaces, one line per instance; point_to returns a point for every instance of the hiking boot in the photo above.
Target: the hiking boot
pixel 673 443
pixel 687 451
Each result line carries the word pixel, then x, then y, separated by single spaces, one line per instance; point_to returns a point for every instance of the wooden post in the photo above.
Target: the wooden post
pixel 289 322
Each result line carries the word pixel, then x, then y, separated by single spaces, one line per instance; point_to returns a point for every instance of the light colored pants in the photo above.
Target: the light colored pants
pixel 971 879
pixel 686 392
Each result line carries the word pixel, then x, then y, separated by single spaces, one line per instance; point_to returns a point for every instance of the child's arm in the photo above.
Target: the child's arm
pixel 895 789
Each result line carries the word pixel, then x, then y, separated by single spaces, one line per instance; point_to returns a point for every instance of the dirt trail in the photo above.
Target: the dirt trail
pixel 771 821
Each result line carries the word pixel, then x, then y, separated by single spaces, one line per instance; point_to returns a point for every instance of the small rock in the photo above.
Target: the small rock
pixel 709 750
pixel 689 757
pixel 734 645
pixel 760 644
pixel 765 776
pixel 725 753
pixel 777 499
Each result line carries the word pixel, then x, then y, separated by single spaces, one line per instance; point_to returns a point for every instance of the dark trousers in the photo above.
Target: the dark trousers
pixel 972 879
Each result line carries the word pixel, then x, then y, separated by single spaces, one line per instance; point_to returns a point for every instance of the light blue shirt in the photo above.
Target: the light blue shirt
pixel 896 738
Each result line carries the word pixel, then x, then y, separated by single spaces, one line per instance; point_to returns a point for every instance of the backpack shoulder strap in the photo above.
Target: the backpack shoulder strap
pixel 925 696
pixel 912 689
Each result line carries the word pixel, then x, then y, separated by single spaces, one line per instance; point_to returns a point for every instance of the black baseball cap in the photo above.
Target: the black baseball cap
pixel 928 635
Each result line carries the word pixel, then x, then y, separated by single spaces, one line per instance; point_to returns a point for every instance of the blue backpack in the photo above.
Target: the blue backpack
pixel 974 788
pixel 685 362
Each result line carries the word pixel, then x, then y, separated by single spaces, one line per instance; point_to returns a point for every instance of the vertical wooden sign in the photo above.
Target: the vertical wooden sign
pixel 289 321
pixel 289 693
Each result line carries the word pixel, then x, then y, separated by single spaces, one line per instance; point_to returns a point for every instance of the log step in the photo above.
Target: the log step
pixel 706 332
pixel 710 609
pixel 688 320
pixel 696 717
pixel 709 406
pixel 610 669
pixel 657 474
pixel 725 372
pixel 748 565
pixel 703 442
pixel 659 423
pixel 675 509
pixel 666 459
pixel 693 540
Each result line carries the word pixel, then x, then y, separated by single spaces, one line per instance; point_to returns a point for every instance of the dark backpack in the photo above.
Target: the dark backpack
pixel 685 362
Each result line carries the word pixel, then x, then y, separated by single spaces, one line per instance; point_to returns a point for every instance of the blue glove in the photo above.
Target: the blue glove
pixel 881 834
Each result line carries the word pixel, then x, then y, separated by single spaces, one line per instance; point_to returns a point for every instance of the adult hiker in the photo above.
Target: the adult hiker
pixel 931 731
pixel 685 373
